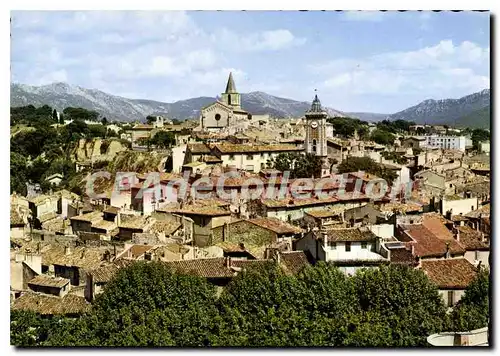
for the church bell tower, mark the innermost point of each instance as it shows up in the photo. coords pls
(316, 129)
(231, 97)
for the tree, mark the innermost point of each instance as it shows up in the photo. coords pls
(147, 304)
(382, 137)
(368, 165)
(28, 329)
(473, 311)
(300, 165)
(479, 135)
(54, 115)
(104, 121)
(81, 114)
(61, 118)
(408, 303)
(163, 139)
(150, 119)
(18, 173)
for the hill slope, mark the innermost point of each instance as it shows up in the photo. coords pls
(446, 111)
(62, 95)
(477, 119)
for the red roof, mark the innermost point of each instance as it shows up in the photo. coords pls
(453, 273)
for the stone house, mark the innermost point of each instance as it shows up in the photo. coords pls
(43, 204)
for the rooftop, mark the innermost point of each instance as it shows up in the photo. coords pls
(471, 239)
(276, 225)
(166, 227)
(226, 148)
(91, 217)
(453, 273)
(350, 234)
(49, 281)
(51, 305)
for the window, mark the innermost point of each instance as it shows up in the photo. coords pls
(231, 157)
(364, 245)
(347, 247)
(262, 155)
(472, 207)
(333, 245)
(249, 157)
(450, 298)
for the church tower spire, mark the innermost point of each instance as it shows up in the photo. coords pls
(230, 87)
(231, 97)
(316, 116)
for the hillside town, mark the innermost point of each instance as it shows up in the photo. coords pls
(215, 196)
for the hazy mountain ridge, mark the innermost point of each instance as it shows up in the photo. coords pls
(446, 111)
(62, 95)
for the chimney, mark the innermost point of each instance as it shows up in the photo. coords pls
(456, 234)
(67, 250)
(447, 255)
(118, 218)
(448, 214)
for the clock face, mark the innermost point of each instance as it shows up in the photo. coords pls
(314, 124)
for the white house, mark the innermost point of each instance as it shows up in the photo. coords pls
(445, 142)
(350, 249)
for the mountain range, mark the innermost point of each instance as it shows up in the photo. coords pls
(62, 95)
(471, 110)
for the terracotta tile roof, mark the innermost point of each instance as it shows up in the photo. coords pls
(47, 216)
(51, 305)
(294, 261)
(323, 213)
(454, 273)
(105, 274)
(143, 127)
(227, 148)
(198, 148)
(92, 217)
(276, 225)
(209, 207)
(138, 250)
(403, 256)
(457, 218)
(428, 244)
(49, 281)
(471, 239)
(210, 158)
(350, 234)
(83, 257)
(166, 227)
(484, 210)
(112, 210)
(207, 268)
(402, 207)
(435, 223)
(291, 202)
(133, 221)
(104, 225)
(41, 199)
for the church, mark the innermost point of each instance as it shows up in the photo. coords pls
(225, 113)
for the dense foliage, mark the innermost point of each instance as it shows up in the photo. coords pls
(479, 135)
(147, 304)
(40, 146)
(472, 311)
(397, 157)
(300, 165)
(368, 165)
(346, 127)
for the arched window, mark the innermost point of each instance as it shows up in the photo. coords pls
(217, 117)
(314, 146)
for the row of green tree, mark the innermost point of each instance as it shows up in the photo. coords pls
(161, 139)
(147, 304)
(31, 115)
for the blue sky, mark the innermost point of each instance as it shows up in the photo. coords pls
(358, 61)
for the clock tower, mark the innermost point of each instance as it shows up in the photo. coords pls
(316, 129)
